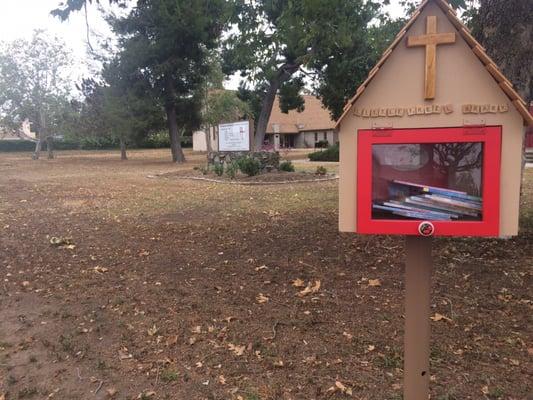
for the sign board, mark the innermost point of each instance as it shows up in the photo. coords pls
(234, 136)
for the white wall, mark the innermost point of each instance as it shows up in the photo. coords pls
(199, 143)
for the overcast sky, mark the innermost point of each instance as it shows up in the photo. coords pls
(18, 19)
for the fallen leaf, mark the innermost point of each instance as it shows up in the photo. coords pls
(344, 389)
(123, 354)
(261, 298)
(298, 283)
(439, 317)
(310, 288)
(347, 335)
(371, 347)
(197, 329)
(153, 330)
(238, 350)
(112, 392)
(485, 390)
(222, 380)
(172, 340)
(144, 395)
(278, 364)
(374, 282)
(100, 270)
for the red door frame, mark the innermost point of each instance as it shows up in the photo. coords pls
(489, 136)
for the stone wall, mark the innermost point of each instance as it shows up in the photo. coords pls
(268, 159)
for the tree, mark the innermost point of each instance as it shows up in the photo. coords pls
(119, 107)
(34, 86)
(505, 29)
(278, 42)
(166, 43)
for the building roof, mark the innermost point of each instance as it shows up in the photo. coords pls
(505, 85)
(314, 118)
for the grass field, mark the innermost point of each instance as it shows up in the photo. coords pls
(164, 288)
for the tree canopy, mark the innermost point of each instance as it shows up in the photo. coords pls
(166, 43)
(34, 86)
(275, 44)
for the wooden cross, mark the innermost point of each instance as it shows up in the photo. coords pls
(431, 40)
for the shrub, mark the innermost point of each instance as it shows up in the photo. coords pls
(330, 154)
(320, 170)
(322, 144)
(286, 166)
(231, 169)
(219, 169)
(249, 166)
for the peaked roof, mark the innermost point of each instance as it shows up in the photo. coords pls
(478, 50)
(313, 118)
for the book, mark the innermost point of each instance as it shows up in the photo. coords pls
(425, 202)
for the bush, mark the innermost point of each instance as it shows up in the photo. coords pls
(231, 169)
(249, 166)
(16, 145)
(219, 169)
(320, 170)
(27, 145)
(286, 166)
(322, 144)
(330, 154)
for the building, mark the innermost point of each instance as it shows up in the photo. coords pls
(301, 129)
(24, 133)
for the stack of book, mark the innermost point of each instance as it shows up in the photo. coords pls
(412, 200)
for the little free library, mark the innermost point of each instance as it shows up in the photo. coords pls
(431, 145)
(435, 133)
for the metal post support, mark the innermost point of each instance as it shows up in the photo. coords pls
(418, 271)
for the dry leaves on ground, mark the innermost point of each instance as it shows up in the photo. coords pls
(310, 288)
(374, 282)
(261, 298)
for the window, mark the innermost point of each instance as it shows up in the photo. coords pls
(448, 176)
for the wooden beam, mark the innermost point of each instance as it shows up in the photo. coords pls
(513, 95)
(496, 73)
(485, 59)
(522, 109)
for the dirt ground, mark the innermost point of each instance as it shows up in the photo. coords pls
(160, 288)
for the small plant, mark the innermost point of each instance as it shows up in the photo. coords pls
(219, 169)
(27, 392)
(249, 166)
(169, 375)
(321, 170)
(232, 169)
(286, 166)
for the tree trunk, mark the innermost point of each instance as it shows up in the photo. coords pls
(175, 139)
(283, 74)
(208, 139)
(123, 154)
(50, 147)
(37, 152)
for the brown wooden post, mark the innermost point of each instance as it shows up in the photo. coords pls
(418, 271)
